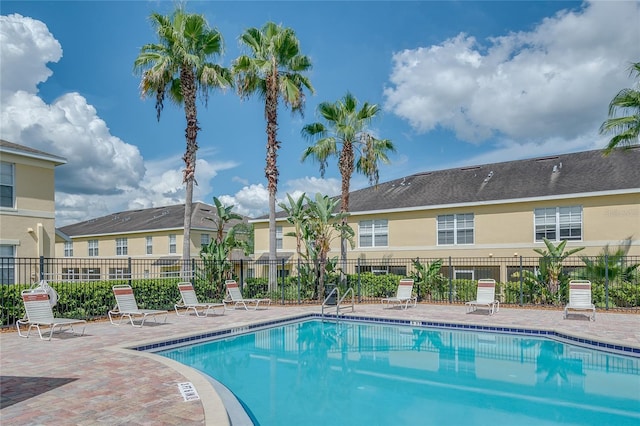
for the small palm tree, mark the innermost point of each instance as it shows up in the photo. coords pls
(609, 264)
(428, 277)
(178, 67)
(551, 263)
(626, 128)
(344, 134)
(296, 215)
(319, 229)
(274, 69)
(224, 215)
(216, 255)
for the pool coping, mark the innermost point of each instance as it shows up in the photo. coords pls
(579, 339)
(213, 402)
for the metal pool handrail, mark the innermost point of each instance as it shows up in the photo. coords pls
(340, 299)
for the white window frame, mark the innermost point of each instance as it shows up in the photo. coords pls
(173, 245)
(122, 246)
(68, 249)
(457, 272)
(455, 225)
(8, 183)
(8, 264)
(149, 244)
(205, 239)
(375, 229)
(278, 237)
(93, 248)
(556, 220)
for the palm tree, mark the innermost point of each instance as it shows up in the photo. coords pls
(273, 70)
(346, 125)
(178, 67)
(551, 263)
(224, 215)
(296, 215)
(319, 226)
(626, 129)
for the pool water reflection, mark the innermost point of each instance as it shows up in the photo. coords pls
(351, 373)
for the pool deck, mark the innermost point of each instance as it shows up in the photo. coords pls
(95, 380)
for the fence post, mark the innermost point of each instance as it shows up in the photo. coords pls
(130, 271)
(298, 274)
(241, 270)
(606, 281)
(282, 273)
(41, 268)
(521, 282)
(359, 282)
(418, 292)
(450, 281)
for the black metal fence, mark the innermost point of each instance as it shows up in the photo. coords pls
(84, 284)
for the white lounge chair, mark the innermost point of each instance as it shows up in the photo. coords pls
(235, 297)
(126, 306)
(580, 298)
(485, 296)
(189, 300)
(39, 313)
(404, 295)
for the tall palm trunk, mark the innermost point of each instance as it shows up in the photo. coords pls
(346, 165)
(271, 169)
(188, 88)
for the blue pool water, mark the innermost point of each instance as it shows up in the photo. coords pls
(353, 373)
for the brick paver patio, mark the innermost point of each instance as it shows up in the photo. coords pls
(95, 380)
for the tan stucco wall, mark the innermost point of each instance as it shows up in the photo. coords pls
(136, 244)
(34, 208)
(500, 230)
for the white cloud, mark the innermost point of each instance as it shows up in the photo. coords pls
(553, 82)
(97, 162)
(103, 173)
(27, 46)
(253, 200)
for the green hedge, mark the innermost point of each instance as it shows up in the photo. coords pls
(94, 299)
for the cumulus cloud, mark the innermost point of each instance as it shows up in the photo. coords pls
(97, 162)
(253, 200)
(27, 46)
(103, 173)
(553, 81)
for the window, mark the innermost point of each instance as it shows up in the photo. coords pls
(172, 243)
(558, 223)
(90, 273)
(7, 264)
(455, 229)
(373, 233)
(68, 249)
(115, 273)
(204, 240)
(7, 191)
(463, 274)
(70, 274)
(149, 245)
(121, 247)
(279, 237)
(93, 248)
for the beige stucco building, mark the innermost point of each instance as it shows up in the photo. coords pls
(27, 202)
(106, 247)
(493, 210)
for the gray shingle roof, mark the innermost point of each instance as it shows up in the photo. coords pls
(542, 177)
(157, 218)
(6, 146)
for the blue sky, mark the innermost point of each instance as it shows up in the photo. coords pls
(459, 83)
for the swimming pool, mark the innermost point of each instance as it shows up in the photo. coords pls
(356, 373)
